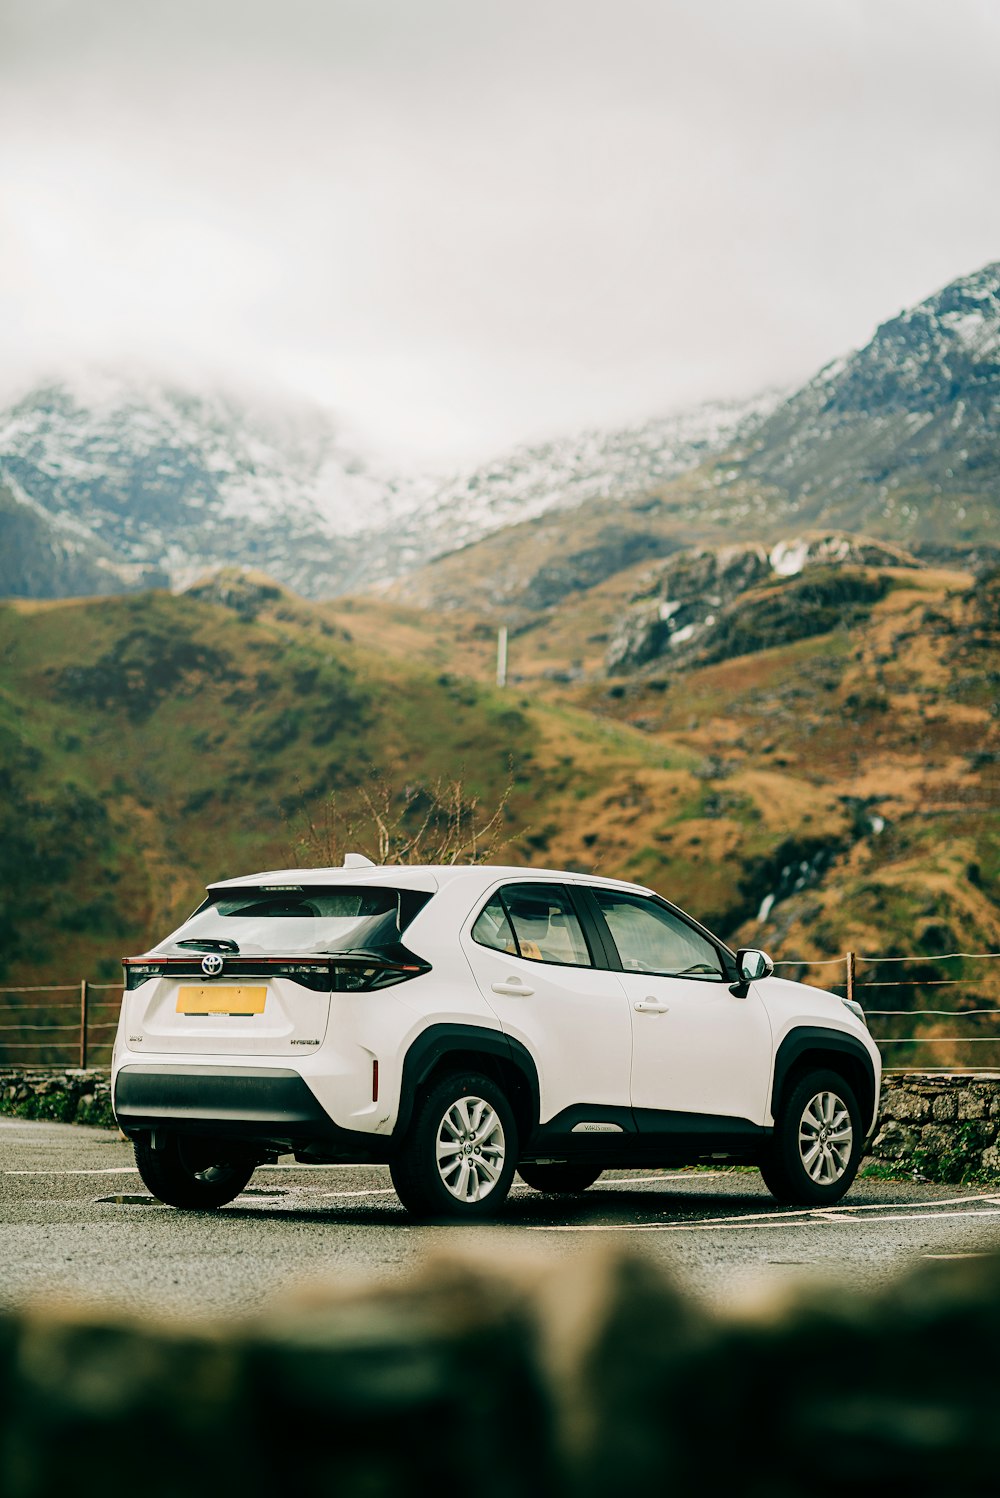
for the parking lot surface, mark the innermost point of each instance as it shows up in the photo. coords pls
(76, 1222)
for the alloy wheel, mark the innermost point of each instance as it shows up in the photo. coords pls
(471, 1149)
(826, 1136)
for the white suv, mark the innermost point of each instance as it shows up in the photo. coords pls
(458, 1023)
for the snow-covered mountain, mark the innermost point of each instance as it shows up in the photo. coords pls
(145, 484)
(568, 472)
(129, 484)
(154, 480)
(901, 438)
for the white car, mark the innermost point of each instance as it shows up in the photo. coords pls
(461, 1023)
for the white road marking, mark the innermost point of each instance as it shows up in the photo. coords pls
(733, 1223)
(650, 1180)
(107, 1170)
(119, 1170)
(800, 1218)
(957, 1256)
(331, 1165)
(379, 1191)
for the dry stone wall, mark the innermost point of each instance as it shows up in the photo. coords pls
(595, 1378)
(65, 1096)
(945, 1127)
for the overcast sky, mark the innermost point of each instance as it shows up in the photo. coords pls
(461, 223)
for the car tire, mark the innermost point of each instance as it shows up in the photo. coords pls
(197, 1174)
(458, 1158)
(561, 1178)
(818, 1140)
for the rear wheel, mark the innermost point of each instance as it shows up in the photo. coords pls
(458, 1159)
(186, 1171)
(561, 1177)
(816, 1147)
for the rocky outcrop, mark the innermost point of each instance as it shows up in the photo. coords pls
(710, 604)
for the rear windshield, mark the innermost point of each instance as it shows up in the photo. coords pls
(289, 920)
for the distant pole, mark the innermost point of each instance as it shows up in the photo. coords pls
(851, 974)
(502, 656)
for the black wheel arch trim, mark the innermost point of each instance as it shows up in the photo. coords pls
(816, 1038)
(437, 1042)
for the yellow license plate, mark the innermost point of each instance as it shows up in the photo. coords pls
(242, 999)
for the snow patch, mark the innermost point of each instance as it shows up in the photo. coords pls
(789, 557)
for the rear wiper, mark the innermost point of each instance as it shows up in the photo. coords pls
(209, 944)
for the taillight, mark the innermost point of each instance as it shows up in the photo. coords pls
(357, 978)
(348, 972)
(137, 973)
(308, 975)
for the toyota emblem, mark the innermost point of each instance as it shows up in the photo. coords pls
(211, 965)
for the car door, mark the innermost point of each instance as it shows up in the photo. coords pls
(529, 951)
(697, 1047)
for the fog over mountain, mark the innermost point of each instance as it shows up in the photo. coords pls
(143, 485)
(464, 228)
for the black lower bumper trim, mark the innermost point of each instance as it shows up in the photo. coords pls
(268, 1107)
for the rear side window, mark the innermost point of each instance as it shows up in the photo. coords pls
(536, 921)
(492, 928)
(651, 939)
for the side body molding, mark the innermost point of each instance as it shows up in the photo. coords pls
(439, 1041)
(837, 1044)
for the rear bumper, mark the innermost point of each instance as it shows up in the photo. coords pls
(270, 1108)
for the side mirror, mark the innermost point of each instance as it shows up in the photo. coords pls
(751, 965)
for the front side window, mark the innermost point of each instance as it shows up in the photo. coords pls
(652, 939)
(545, 925)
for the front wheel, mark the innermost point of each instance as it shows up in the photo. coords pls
(816, 1147)
(561, 1177)
(199, 1174)
(458, 1158)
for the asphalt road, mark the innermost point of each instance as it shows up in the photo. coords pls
(76, 1221)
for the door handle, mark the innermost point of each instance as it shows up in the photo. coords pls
(514, 987)
(652, 1006)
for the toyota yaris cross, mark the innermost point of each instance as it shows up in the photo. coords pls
(459, 1024)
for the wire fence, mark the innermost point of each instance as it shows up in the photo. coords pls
(65, 1025)
(898, 993)
(59, 1025)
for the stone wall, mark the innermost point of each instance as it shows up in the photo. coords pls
(591, 1378)
(65, 1096)
(944, 1127)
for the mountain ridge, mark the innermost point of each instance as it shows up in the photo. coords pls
(898, 439)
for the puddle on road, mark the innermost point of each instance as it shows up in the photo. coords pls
(120, 1200)
(130, 1201)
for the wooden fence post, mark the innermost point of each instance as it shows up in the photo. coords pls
(851, 960)
(84, 1004)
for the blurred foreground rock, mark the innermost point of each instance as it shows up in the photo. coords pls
(592, 1378)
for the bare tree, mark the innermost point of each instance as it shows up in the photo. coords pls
(436, 821)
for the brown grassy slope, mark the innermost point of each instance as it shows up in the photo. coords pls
(802, 744)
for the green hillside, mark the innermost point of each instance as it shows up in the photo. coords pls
(822, 773)
(151, 743)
